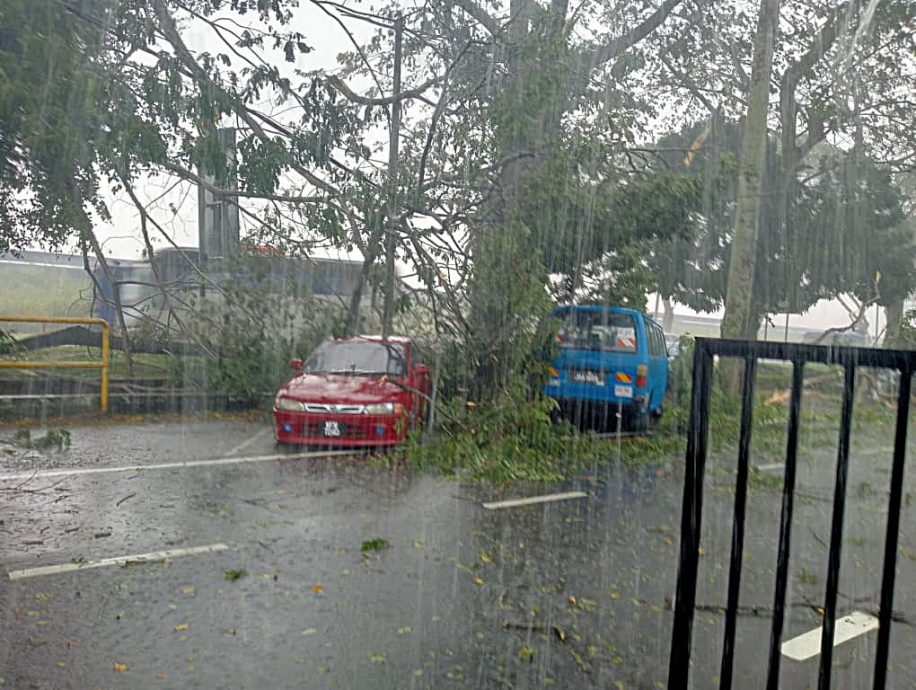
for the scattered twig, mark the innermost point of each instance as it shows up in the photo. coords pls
(128, 496)
(819, 540)
(531, 627)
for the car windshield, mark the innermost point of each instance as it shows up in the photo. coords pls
(357, 357)
(601, 331)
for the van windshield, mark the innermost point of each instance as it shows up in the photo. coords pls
(599, 331)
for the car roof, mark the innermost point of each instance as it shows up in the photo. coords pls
(400, 339)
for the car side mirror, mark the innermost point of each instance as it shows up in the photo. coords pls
(296, 364)
(421, 370)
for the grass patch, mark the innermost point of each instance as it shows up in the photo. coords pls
(235, 575)
(807, 578)
(763, 480)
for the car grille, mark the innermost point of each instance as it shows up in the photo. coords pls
(341, 409)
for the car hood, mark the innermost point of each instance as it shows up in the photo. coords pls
(343, 389)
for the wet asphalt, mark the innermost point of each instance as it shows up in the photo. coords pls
(573, 594)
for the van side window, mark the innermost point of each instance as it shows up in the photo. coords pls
(653, 341)
(658, 342)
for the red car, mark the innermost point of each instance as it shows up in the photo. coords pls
(353, 392)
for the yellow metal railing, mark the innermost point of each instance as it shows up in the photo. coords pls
(102, 364)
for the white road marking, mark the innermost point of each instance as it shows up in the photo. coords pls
(42, 474)
(548, 498)
(808, 645)
(247, 442)
(768, 468)
(152, 557)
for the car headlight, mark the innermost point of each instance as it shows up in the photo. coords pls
(384, 408)
(290, 405)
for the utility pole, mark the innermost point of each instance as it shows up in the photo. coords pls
(218, 212)
(392, 210)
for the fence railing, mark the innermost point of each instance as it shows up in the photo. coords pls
(102, 364)
(903, 362)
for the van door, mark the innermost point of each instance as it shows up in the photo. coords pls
(599, 352)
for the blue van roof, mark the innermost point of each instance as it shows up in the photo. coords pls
(597, 307)
(610, 308)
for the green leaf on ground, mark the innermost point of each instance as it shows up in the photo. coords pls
(374, 545)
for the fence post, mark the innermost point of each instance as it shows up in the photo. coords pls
(106, 363)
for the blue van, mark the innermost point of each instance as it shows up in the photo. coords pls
(610, 357)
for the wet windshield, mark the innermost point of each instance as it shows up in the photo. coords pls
(447, 344)
(357, 357)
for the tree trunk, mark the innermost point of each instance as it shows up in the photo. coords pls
(894, 314)
(505, 265)
(668, 318)
(740, 287)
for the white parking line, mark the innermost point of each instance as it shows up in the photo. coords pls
(768, 468)
(247, 442)
(152, 557)
(808, 645)
(41, 474)
(548, 498)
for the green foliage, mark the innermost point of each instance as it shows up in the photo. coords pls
(252, 329)
(907, 336)
(806, 577)
(47, 132)
(54, 438)
(508, 439)
(843, 226)
(680, 380)
(8, 344)
(102, 91)
(376, 544)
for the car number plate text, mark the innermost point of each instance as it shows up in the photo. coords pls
(332, 429)
(586, 376)
(623, 391)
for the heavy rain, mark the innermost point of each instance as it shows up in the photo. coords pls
(457, 344)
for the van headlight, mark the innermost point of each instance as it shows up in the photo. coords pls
(290, 405)
(384, 408)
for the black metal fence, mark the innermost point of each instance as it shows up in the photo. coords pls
(698, 430)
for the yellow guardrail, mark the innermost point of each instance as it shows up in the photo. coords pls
(103, 364)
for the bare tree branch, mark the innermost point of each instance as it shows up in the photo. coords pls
(480, 15)
(618, 46)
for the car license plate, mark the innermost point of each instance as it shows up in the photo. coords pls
(623, 391)
(596, 378)
(332, 429)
